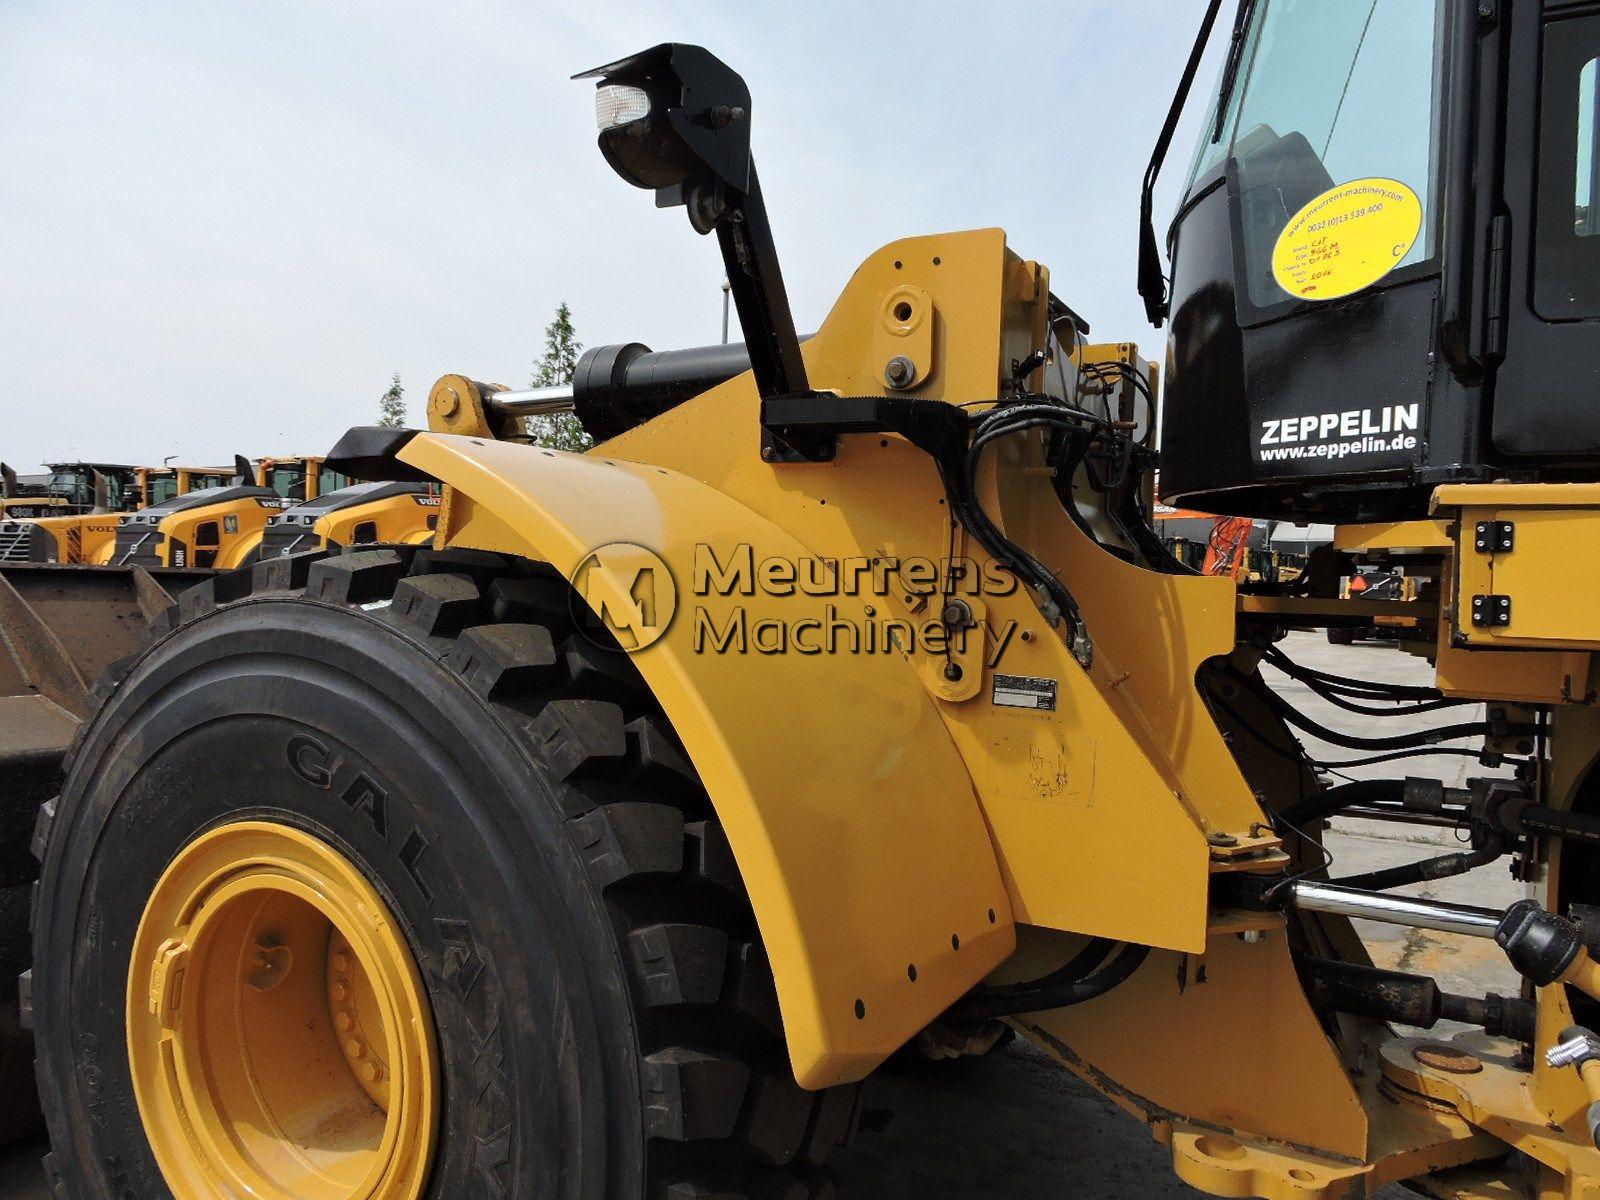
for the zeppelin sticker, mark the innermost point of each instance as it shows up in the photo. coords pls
(1337, 435)
(1347, 239)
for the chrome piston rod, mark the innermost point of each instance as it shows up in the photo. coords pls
(1396, 910)
(531, 402)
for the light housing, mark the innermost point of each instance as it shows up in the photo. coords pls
(619, 104)
(675, 119)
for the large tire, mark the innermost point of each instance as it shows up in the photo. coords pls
(19, 1100)
(605, 1017)
(23, 786)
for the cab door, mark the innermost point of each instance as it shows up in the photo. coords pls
(1547, 395)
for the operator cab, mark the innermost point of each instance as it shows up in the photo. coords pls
(1374, 289)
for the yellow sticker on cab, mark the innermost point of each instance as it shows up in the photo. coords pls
(1347, 239)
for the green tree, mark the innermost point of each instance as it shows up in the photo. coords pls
(556, 366)
(392, 405)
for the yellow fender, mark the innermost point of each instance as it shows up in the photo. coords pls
(848, 807)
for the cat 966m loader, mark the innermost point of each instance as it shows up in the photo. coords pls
(601, 846)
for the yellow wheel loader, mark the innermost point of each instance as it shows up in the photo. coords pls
(223, 528)
(217, 528)
(74, 518)
(843, 692)
(357, 515)
(24, 498)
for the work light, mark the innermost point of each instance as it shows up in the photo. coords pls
(618, 104)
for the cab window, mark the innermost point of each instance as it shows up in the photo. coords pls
(331, 481)
(288, 482)
(1586, 218)
(72, 486)
(1366, 106)
(1566, 284)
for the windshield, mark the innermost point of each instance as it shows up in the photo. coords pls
(161, 488)
(1586, 215)
(1328, 94)
(289, 482)
(331, 481)
(77, 486)
(72, 486)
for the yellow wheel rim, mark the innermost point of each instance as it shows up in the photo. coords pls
(281, 1042)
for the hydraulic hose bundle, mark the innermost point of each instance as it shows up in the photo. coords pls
(1085, 976)
(1087, 436)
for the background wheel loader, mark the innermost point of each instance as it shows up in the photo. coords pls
(601, 847)
(73, 516)
(293, 501)
(26, 497)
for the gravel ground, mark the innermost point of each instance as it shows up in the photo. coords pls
(1017, 1127)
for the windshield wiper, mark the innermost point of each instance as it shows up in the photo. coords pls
(1230, 70)
(1152, 278)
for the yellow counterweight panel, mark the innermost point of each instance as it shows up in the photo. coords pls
(850, 812)
(97, 538)
(86, 538)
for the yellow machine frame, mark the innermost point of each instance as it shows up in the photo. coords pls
(966, 839)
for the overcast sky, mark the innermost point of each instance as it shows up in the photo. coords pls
(224, 225)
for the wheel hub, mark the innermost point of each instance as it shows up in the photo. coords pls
(279, 1034)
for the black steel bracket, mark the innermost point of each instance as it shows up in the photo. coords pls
(807, 428)
(1491, 611)
(1495, 537)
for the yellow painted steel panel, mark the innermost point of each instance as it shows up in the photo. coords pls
(1227, 1036)
(847, 806)
(1136, 762)
(1547, 574)
(1396, 535)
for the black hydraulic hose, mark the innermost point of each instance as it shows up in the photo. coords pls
(1076, 969)
(1340, 696)
(1334, 800)
(1441, 867)
(1405, 741)
(1415, 752)
(1423, 737)
(1557, 822)
(1366, 991)
(1399, 710)
(1036, 997)
(1349, 686)
(970, 512)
